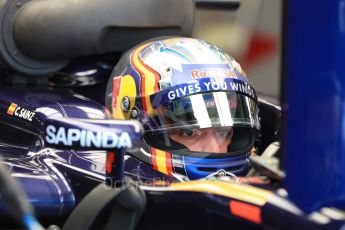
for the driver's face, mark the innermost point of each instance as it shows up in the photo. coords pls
(213, 140)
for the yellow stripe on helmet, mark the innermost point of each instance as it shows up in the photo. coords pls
(148, 78)
(127, 88)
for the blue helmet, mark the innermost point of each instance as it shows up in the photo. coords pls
(197, 107)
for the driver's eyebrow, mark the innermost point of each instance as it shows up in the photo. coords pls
(183, 130)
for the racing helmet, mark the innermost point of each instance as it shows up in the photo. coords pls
(179, 89)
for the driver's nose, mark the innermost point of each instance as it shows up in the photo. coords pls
(209, 142)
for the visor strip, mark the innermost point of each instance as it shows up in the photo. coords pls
(200, 111)
(223, 108)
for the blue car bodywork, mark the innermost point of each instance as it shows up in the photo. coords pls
(55, 181)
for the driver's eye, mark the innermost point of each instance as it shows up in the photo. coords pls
(187, 133)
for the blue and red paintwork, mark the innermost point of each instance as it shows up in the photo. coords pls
(55, 181)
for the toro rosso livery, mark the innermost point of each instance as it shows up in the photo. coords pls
(55, 180)
(60, 145)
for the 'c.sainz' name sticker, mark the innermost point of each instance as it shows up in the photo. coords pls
(15, 110)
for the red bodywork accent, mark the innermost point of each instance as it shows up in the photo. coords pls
(245, 211)
(110, 161)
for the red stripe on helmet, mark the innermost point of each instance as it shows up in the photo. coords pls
(153, 159)
(116, 90)
(142, 80)
(157, 75)
(143, 71)
(168, 163)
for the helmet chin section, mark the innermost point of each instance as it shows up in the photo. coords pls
(174, 164)
(197, 168)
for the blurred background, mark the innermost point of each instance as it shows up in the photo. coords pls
(251, 34)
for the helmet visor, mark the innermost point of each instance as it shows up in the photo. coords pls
(213, 122)
(199, 111)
